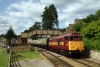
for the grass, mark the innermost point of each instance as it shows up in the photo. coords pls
(27, 55)
(3, 57)
(22, 56)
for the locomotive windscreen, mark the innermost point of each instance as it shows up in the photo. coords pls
(75, 38)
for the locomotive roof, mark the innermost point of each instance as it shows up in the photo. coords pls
(64, 35)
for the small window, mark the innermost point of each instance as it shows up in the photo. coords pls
(71, 38)
(58, 42)
(76, 36)
(1, 41)
(67, 38)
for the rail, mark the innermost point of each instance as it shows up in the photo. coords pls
(54, 59)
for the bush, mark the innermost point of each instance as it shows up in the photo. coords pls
(91, 44)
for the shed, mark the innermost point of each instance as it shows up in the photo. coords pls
(3, 41)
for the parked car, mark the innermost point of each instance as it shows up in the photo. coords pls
(4, 46)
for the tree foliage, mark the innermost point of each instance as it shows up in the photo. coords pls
(91, 17)
(92, 30)
(98, 14)
(49, 17)
(2, 35)
(10, 34)
(63, 30)
(37, 25)
(78, 26)
(26, 31)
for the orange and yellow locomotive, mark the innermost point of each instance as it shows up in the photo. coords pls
(70, 43)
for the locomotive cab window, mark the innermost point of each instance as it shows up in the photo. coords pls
(71, 38)
(78, 37)
(75, 38)
(66, 38)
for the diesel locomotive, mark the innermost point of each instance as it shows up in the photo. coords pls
(69, 44)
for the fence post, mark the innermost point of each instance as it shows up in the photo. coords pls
(9, 58)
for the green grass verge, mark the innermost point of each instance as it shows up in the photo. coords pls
(3, 57)
(27, 55)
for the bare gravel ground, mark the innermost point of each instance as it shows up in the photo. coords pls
(94, 60)
(35, 63)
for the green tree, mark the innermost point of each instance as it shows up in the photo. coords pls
(37, 25)
(78, 26)
(26, 31)
(63, 30)
(92, 30)
(2, 35)
(91, 17)
(10, 34)
(91, 35)
(50, 17)
(97, 14)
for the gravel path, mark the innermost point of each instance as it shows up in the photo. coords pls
(35, 63)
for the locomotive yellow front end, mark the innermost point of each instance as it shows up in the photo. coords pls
(76, 45)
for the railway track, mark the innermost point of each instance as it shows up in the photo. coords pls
(88, 63)
(55, 60)
(62, 61)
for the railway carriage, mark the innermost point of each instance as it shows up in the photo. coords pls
(69, 43)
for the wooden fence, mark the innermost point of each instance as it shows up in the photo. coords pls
(14, 48)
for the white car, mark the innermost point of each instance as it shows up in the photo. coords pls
(4, 46)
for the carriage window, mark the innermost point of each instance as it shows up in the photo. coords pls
(58, 42)
(66, 38)
(71, 38)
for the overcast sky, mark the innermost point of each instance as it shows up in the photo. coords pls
(21, 14)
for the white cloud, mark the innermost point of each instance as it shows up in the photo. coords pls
(6, 22)
(24, 13)
(27, 13)
(27, 10)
